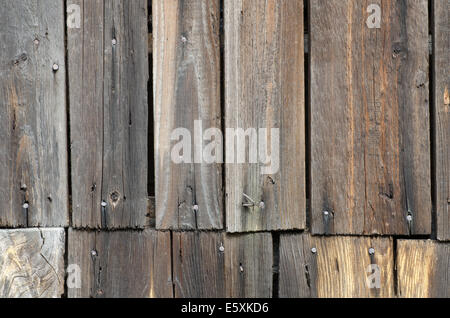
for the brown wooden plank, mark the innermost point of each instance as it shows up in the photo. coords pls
(249, 265)
(121, 264)
(32, 263)
(215, 265)
(441, 71)
(33, 134)
(370, 138)
(108, 75)
(423, 269)
(264, 76)
(327, 267)
(186, 79)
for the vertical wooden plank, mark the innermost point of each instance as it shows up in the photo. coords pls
(264, 76)
(121, 264)
(198, 265)
(108, 77)
(441, 58)
(423, 269)
(370, 118)
(186, 79)
(341, 267)
(249, 265)
(33, 134)
(32, 263)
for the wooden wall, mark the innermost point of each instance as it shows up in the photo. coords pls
(93, 204)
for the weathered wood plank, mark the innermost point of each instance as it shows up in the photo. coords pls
(370, 118)
(441, 71)
(335, 266)
(108, 75)
(186, 79)
(423, 269)
(32, 263)
(33, 134)
(249, 265)
(264, 76)
(215, 265)
(121, 264)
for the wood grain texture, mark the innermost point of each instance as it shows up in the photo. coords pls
(186, 79)
(32, 263)
(423, 269)
(264, 76)
(441, 70)
(108, 75)
(249, 265)
(370, 156)
(215, 265)
(33, 135)
(340, 267)
(121, 264)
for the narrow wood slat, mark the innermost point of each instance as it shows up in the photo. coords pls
(33, 134)
(186, 79)
(32, 263)
(121, 264)
(370, 156)
(327, 267)
(215, 265)
(441, 71)
(264, 88)
(423, 269)
(108, 75)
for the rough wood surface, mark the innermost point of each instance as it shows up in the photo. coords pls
(264, 76)
(423, 269)
(441, 71)
(186, 79)
(108, 74)
(32, 263)
(216, 265)
(249, 265)
(33, 135)
(339, 266)
(121, 264)
(370, 157)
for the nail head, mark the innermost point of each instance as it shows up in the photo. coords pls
(26, 205)
(104, 204)
(221, 248)
(55, 67)
(314, 250)
(371, 251)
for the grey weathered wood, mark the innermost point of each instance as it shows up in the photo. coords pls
(423, 269)
(441, 80)
(340, 266)
(32, 263)
(370, 143)
(186, 88)
(108, 75)
(216, 265)
(249, 265)
(264, 88)
(33, 134)
(121, 263)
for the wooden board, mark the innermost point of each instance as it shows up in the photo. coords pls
(264, 76)
(370, 156)
(108, 75)
(121, 264)
(215, 265)
(33, 134)
(441, 70)
(32, 263)
(186, 88)
(340, 266)
(423, 269)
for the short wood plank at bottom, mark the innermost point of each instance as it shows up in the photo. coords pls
(335, 266)
(217, 265)
(423, 269)
(32, 263)
(121, 264)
